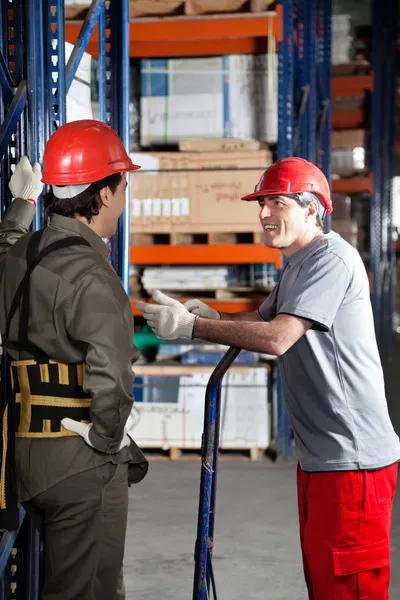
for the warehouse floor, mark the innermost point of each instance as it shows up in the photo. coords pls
(257, 552)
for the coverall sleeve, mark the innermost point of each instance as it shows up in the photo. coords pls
(15, 224)
(100, 318)
(319, 290)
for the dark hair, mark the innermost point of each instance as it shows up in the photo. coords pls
(86, 204)
(304, 199)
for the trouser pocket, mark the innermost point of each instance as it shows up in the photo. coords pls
(362, 572)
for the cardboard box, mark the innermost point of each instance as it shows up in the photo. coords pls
(210, 97)
(349, 138)
(222, 145)
(196, 192)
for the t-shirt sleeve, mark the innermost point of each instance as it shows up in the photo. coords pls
(318, 291)
(267, 310)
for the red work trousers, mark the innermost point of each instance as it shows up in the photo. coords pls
(345, 522)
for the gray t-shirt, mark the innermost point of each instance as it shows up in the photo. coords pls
(332, 377)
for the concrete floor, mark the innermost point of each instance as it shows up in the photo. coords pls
(256, 553)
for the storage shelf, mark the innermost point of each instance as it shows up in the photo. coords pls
(354, 119)
(353, 86)
(353, 185)
(202, 254)
(196, 36)
(220, 305)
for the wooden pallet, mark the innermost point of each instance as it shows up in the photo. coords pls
(193, 8)
(187, 239)
(179, 454)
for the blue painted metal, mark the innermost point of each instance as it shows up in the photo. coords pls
(36, 92)
(5, 80)
(203, 575)
(7, 542)
(125, 136)
(102, 65)
(375, 202)
(286, 82)
(306, 79)
(117, 116)
(33, 544)
(382, 166)
(81, 43)
(324, 89)
(392, 16)
(55, 67)
(286, 147)
(10, 123)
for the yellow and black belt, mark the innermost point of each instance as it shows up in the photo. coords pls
(40, 391)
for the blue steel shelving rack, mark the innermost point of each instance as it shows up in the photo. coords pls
(304, 65)
(382, 144)
(34, 81)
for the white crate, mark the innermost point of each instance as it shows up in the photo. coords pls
(173, 417)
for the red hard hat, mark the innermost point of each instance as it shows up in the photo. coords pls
(84, 152)
(293, 176)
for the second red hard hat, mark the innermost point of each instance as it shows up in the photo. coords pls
(293, 176)
(84, 152)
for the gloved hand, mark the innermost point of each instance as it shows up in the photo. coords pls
(197, 307)
(83, 430)
(169, 319)
(26, 182)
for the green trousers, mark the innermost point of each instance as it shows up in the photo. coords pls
(82, 521)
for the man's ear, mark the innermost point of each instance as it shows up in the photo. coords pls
(312, 210)
(105, 195)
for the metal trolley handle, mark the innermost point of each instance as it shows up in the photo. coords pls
(203, 573)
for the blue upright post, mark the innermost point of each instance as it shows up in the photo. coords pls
(55, 67)
(392, 19)
(102, 77)
(324, 89)
(305, 141)
(117, 115)
(286, 132)
(36, 90)
(376, 168)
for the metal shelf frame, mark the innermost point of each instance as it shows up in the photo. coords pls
(34, 81)
(382, 251)
(305, 89)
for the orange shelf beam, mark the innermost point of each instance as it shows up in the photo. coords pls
(353, 185)
(202, 254)
(182, 36)
(352, 86)
(354, 119)
(227, 307)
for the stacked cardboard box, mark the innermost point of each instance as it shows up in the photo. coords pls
(349, 152)
(212, 97)
(195, 192)
(342, 39)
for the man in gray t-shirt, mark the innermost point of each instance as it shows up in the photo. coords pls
(318, 321)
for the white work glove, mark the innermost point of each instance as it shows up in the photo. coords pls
(26, 182)
(169, 319)
(197, 307)
(83, 430)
